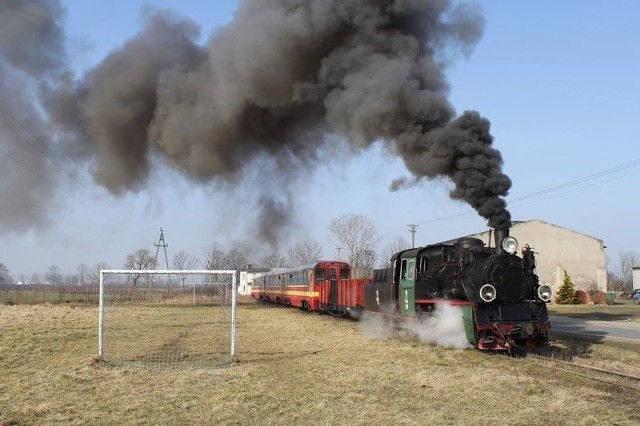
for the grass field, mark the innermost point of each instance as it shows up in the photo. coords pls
(294, 367)
(622, 310)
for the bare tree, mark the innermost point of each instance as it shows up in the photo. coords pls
(94, 273)
(394, 246)
(183, 261)
(357, 235)
(214, 258)
(627, 259)
(141, 259)
(71, 279)
(5, 278)
(304, 252)
(235, 259)
(53, 275)
(366, 261)
(83, 273)
(273, 260)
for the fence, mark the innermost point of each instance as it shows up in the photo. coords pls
(31, 294)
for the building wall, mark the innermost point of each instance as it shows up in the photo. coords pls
(558, 249)
(636, 277)
(246, 279)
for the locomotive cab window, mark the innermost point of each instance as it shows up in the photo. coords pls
(344, 274)
(423, 264)
(321, 274)
(408, 269)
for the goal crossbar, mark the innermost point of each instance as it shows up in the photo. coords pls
(166, 272)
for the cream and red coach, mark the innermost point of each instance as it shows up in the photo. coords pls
(323, 286)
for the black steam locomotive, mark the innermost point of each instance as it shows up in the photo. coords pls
(504, 305)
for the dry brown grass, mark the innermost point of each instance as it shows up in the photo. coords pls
(293, 367)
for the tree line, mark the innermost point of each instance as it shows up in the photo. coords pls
(354, 236)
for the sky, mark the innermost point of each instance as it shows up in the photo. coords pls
(557, 81)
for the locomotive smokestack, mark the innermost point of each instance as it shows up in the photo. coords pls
(499, 235)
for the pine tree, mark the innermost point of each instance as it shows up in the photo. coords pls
(566, 293)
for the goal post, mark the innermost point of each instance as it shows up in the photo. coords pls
(148, 308)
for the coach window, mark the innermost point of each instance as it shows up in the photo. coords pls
(403, 269)
(321, 274)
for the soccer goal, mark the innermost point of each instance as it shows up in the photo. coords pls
(169, 318)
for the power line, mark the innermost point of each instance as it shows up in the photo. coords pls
(570, 186)
(618, 168)
(56, 160)
(44, 149)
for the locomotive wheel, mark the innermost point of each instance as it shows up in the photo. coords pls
(518, 349)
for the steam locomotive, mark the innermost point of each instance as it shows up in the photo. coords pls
(503, 304)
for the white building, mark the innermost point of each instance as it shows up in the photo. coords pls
(246, 278)
(636, 277)
(558, 250)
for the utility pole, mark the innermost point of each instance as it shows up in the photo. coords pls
(164, 246)
(339, 248)
(412, 229)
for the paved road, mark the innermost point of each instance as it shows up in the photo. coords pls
(596, 330)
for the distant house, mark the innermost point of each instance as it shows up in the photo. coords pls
(636, 277)
(560, 249)
(246, 278)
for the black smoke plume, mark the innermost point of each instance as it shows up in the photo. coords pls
(271, 83)
(31, 60)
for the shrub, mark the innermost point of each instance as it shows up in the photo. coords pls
(566, 293)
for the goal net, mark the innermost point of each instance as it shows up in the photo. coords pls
(170, 318)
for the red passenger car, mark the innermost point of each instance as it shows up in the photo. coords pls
(323, 286)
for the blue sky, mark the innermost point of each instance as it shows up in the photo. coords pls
(558, 81)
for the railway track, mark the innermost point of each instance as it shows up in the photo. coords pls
(610, 377)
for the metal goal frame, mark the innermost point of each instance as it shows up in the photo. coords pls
(101, 329)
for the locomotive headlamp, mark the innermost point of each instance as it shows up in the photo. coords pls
(545, 292)
(488, 293)
(510, 245)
